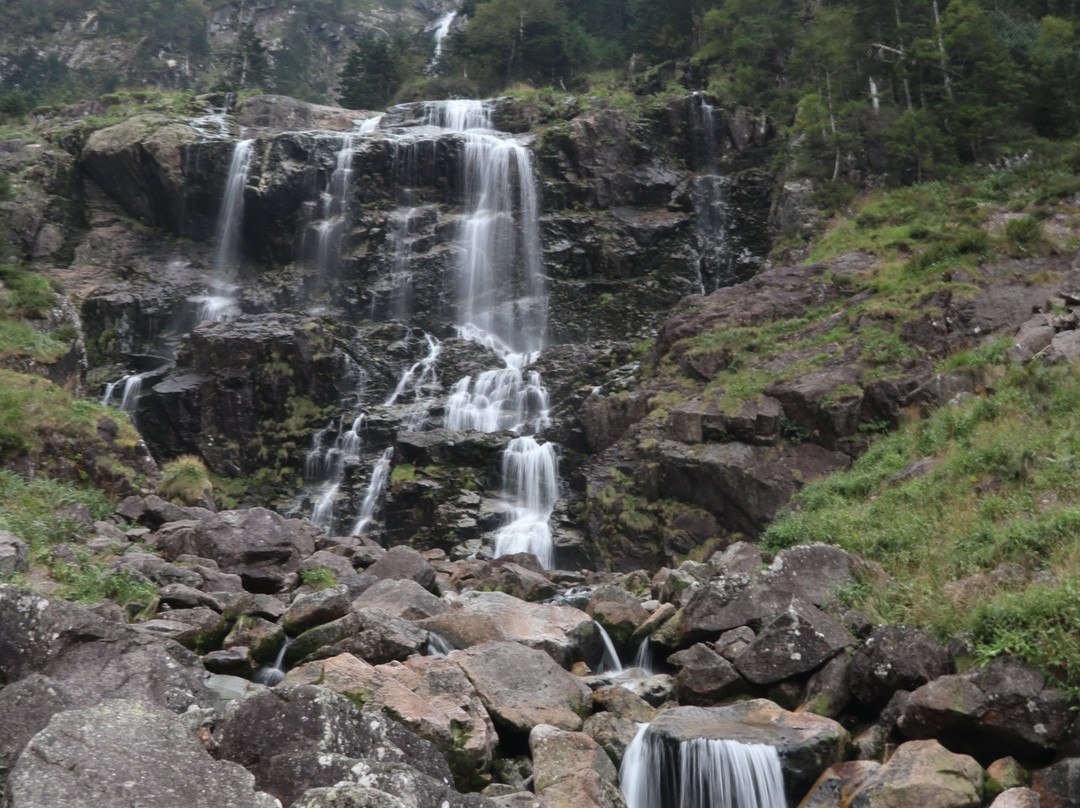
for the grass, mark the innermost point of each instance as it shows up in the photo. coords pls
(1001, 488)
(185, 479)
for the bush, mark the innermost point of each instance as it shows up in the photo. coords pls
(185, 479)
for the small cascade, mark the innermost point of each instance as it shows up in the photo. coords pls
(402, 223)
(274, 674)
(442, 28)
(219, 307)
(644, 659)
(324, 467)
(710, 196)
(531, 481)
(333, 206)
(130, 386)
(437, 645)
(230, 219)
(379, 475)
(610, 662)
(414, 380)
(700, 773)
(499, 399)
(369, 125)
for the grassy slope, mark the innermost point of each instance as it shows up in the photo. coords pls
(974, 511)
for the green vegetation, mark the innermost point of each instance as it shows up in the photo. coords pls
(185, 479)
(944, 503)
(319, 577)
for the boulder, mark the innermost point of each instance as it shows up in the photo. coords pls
(618, 611)
(14, 554)
(837, 784)
(402, 598)
(571, 770)
(895, 658)
(256, 544)
(404, 563)
(315, 609)
(430, 696)
(122, 753)
(807, 744)
(704, 677)
(523, 687)
(566, 634)
(623, 703)
(1017, 798)
(1058, 785)
(298, 737)
(1006, 708)
(797, 641)
(504, 575)
(372, 634)
(922, 773)
(613, 734)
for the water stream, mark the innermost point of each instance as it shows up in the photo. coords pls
(700, 773)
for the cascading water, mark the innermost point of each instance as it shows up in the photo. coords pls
(379, 475)
(275, 673)
(333, 206)
(644, 659)
(419, 375)
(129, 393)
(710, 195)
(442, 28)
(700, 773)
(437, 645)
(610, 662)
(218, 303)
(530, 477)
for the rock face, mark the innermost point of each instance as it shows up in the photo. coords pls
(572, 771)
(123, 751)
(895, 658)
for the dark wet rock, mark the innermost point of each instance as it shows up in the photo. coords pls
(827, 691)
(1058, 784)
(299, 736)
(797, 641)
(234, 661)
(742, 485)
(522, 687)
(257, 544)
(260, 636)
(895, 658)
(123, 752)
(704, 678)
(1005, 708)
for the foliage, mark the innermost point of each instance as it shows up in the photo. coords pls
(24, 294)
(185, 479)
(375, 70)
(319, 577)
(974, 486)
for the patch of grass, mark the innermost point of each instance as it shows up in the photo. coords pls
(999, 483)
(185, 479)
(319, 577)
(20, 339)
(24, 294)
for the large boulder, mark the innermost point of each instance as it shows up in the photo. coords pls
(372, 634)
(402, 598)
(298, 737)
(404, 564)
(566, 634)
(523, 687)
(922, 773)
(122, 753)
(799, 640)
(572, 771)
(1005, 708)
(430, 696)
(895, 658)
(704, 678)
(257, 544)
(807, 744)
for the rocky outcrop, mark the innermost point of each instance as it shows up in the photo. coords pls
(123, 750)
(572, 771)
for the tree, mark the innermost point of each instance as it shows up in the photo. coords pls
(370, 76)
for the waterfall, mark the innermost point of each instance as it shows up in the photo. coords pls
(442, 28)
(379, 475)
(328, 216)
(610, 662)
(129, 393)
(437, 645)
(644, 658)
(499, 399)
(324, 467)
(230, 219)
(700, 773)
(531, 480)
(218, 303)
(709, 190)
(275, 673)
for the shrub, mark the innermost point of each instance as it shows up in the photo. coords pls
(319, 577)
(185, 479)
